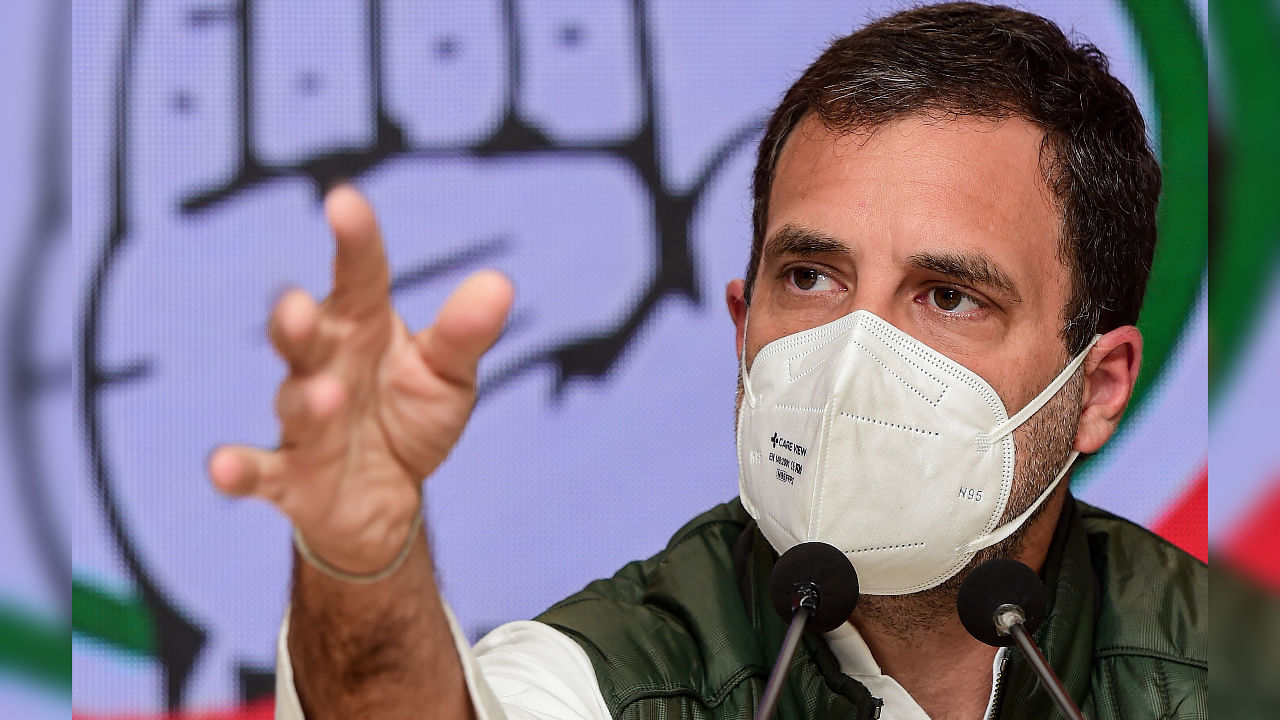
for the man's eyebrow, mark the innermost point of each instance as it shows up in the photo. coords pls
(796, 240)
(972, 269)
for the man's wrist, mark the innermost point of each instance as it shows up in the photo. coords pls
(365, 541)
(363, 578)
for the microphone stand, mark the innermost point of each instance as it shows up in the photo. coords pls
(1009, 620)
(804, 602)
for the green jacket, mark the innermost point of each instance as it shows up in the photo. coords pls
(690, 633)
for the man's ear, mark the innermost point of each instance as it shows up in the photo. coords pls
(735, 297)
(1110, 371)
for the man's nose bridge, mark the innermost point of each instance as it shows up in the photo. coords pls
(877, 296)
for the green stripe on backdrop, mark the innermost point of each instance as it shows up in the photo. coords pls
(1175, 58)
(1247, 228)
(35, 648)
(119, 621)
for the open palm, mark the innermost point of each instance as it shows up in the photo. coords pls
(368, 409)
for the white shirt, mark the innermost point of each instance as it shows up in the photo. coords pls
(526, 670)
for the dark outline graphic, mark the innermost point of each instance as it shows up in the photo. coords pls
(177, 640)
(594, 355)
(26, 378)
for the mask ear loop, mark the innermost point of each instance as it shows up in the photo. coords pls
(748, 395)
(1004, 531)
(1044, 397)
(1007, 427)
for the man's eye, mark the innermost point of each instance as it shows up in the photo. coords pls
(811, 280)
(951, 300)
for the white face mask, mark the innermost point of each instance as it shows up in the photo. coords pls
(860, 436)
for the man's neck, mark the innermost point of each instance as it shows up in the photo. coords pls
(942, 668)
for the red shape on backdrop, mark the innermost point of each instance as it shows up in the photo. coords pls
(1186, 522)
(260, 709)
(1253, 548)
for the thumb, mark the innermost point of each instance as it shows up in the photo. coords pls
(468, 324)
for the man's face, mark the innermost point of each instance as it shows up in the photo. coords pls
(944, 228)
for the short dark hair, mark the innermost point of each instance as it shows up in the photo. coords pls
(972, 60)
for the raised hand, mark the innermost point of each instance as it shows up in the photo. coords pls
(368, 410)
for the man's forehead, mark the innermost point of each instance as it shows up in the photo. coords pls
(944, 175)
(962, 196)
(1008, 146)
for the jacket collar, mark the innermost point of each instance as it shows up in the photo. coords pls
(1066, 635)
(815, 686)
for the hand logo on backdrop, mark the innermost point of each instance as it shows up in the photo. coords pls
(264, 145)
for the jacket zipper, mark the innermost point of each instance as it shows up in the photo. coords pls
(996, 682)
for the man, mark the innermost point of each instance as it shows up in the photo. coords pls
(954, 220)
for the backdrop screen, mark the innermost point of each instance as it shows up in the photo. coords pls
(600, 155)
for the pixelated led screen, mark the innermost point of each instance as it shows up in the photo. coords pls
(598, 153)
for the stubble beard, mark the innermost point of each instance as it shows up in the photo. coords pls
(1041, 447)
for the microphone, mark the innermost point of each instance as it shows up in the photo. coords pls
(814, 586)
(1001, 603)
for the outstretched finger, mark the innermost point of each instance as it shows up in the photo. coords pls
(306, 406)
(361, 279)
(239, 470)
(467, 325)
(296, 332)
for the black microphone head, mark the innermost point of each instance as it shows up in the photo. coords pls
(824, 566)
(997, 582)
